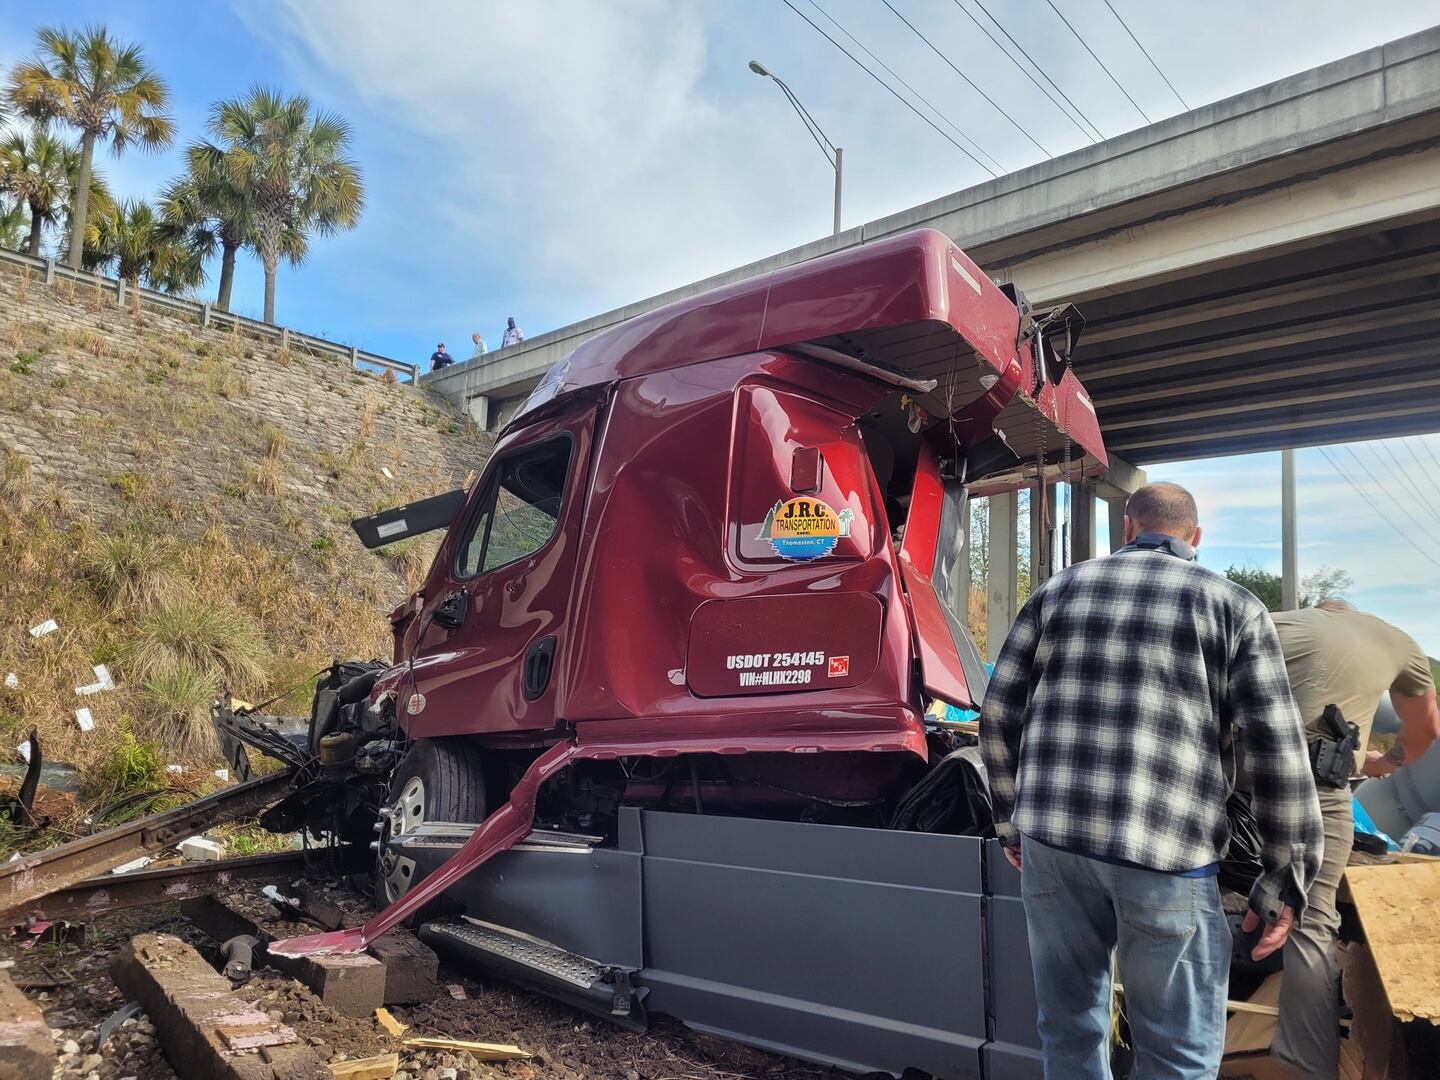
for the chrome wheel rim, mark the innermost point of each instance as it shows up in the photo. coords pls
(400, 818)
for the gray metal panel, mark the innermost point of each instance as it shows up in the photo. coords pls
(1012, 984)
(916, 860)
(860, 947)
(587, 902)
(1005, 1062)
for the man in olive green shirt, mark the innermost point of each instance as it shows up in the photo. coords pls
(1338, 656)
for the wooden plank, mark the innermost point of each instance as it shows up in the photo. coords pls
(483, 1051)
(1253, 1025)
(1399, 906)
(1374, 1033)
(389, 1023)
(371, 1068)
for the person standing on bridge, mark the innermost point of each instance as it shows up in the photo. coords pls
(479, 343)
(1109, 732)
(440, 358)
(1342, 658)
(513, 334)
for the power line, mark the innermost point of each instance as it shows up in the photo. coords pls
(1429, 451)
(1023, 69)
(1424, 469)
(1417, 496)
(890, 89)
(1381, 513)
(1425, 529)
(1097, 59)
(1146, 51)
(900, 79)
(967, 78)
(1021, 48)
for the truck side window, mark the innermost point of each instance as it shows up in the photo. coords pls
(520, 510)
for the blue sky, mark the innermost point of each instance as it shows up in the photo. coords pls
(553, 160)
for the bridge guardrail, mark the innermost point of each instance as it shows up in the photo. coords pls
(52, 271)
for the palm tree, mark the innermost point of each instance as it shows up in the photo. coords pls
(100, 87)
(213, 211)
(13, 222)
(140, 244)
(99, 201)
(291, 171)
(34, 168)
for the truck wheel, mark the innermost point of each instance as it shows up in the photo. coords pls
(439, 780)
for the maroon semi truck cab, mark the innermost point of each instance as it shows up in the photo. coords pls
(733, 524)
(717, 560)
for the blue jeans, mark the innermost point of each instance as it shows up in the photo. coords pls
(1173, 945)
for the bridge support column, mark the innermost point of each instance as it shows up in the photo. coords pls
(1289, 541)
(1116, 508)
(479, 409)
(1002, 588)
(1115, 487)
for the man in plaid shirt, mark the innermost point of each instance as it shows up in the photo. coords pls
(1110, 732)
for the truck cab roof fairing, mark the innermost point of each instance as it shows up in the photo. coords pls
(906, 309)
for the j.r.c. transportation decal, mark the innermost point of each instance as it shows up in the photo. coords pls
(805, 529)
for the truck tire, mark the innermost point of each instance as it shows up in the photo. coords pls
(438, 780)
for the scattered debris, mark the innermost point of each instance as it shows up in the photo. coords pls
(21, 808)
(177, 769)
(134, 864)
(114, 1020)
(483, 1051)
(12, 681)
(102, 682)
(49, 626)
(223, 774)
(371, 1068)
(456, 991)
(85, 719)
(252, 1030)
(388, 474)
(389, 1023)
(202, 849)
(34, 932)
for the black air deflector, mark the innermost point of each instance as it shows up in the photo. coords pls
(412, 519)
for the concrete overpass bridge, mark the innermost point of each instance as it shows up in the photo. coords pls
(1260, 273)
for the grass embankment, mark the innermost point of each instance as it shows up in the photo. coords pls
(181, 591)
(176, 622)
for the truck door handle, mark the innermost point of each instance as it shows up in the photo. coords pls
(539, 663)
(452, 610)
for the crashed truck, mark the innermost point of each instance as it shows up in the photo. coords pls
(664, 727)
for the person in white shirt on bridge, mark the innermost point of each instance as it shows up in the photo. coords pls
(513, 334)
(480, 349)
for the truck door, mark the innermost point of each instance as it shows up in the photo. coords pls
(494, 623)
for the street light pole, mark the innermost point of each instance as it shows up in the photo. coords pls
(833, 154)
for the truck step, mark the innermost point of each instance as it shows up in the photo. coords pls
(588, 984)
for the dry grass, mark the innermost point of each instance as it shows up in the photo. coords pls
(130, 569)
(193, 553)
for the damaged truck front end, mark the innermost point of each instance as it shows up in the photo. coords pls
(659, 718)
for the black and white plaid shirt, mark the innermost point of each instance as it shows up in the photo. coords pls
(1112, 720)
